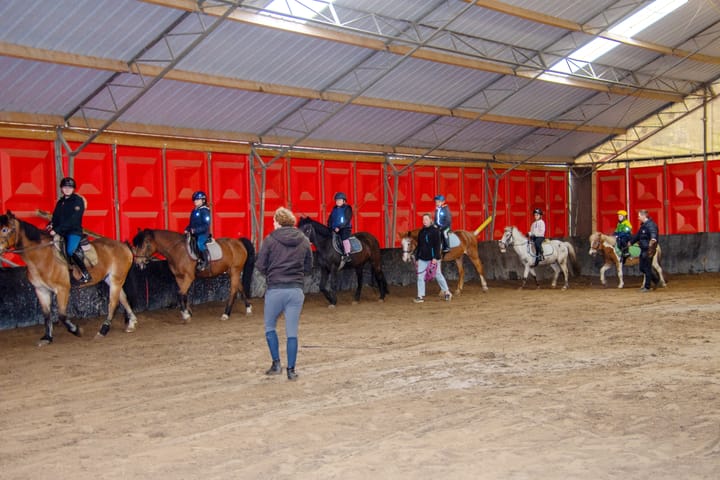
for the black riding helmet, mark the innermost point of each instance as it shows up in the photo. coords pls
(67, 182)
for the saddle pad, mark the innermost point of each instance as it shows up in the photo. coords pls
(547, 248)
(453, 240)
(634, 251)
(355, 245)
(213, 248)
(91, 256)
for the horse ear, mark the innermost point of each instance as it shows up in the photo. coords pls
(10, 215)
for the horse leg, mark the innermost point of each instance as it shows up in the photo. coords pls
(475, 259)
(556, 274)
(461, 275)
(564, 268)
(603, 269)
(130, 318)
(45, 298)
(63, 296)
(526, 273)
(235, 287)
(184, 283)
(333, 287)
(330, 296)
(382, 283)
(621, 277)
(358, 289)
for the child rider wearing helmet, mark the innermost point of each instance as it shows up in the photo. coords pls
(339, 222)
(199, 228)
(443, 220)
(623, 232)
(537, 235)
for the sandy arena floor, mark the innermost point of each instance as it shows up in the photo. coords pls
(590, 383)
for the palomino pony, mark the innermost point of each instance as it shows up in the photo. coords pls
(329, 259)
(556, 255)
(47, 271)
(605, 244)
(238, 259)
(468, 246)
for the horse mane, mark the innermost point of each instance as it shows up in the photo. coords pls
(140, 237)
(33, 233)
(320, 229)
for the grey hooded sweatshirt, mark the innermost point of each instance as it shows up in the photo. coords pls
(285, 258)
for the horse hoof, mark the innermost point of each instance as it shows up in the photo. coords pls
(43, 342)
(248, 310)
(224, 317)
(331, 306)
(185, 316)
(78, 332)
(131, 326)
(355, 302)
(99, 336)
(381, 300)
(130, 329)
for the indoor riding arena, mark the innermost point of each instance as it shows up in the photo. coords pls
(590, 129)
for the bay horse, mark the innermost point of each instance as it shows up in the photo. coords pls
(238, 260)
(329, 259)
(556, 253)
(468, 246)
(47, 271)
(605, 245)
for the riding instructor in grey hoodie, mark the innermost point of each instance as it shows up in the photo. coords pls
(284, 258)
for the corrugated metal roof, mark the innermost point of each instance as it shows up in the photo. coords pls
(453, 74)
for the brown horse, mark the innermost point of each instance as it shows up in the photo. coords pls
(47, 271)
(605, 245)
(468, 246)
(329, 259)
(238, 259)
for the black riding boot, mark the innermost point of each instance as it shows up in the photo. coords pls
(203, 260)
(79, 260)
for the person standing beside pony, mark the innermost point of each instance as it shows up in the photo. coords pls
(67, 222)
(623, 232)
(340, 222)
(285, 259)
(199, 228)
(647, 238)
(443, 220)
(537, 235)
(429, 254)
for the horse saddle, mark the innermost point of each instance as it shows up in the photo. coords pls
(453, 240)
(213, 248)
(634, 251)
(91, 257)
(547, 248)
(355, 244)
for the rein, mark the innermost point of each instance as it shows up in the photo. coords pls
(27, 249)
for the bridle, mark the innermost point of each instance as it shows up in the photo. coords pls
(14, 230)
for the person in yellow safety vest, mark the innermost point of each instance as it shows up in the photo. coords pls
(623, 232)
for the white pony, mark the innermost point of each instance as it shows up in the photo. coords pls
(555, 252)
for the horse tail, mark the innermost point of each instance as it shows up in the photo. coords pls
(249, 265)
(573, 259)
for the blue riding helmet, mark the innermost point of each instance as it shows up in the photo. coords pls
(340, 196)
(199, 195)
(440, 197)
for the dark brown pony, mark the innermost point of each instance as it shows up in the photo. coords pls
(605, 245)
(329, 259)
(468, 246)
(238, 260)
(47, 271)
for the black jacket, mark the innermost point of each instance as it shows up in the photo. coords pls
(67, 216)
(428, 244)
(645, 233)
(285, 258)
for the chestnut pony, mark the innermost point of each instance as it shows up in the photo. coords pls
(468, 246)
(605, 245)
(47, 271)
(238, 260)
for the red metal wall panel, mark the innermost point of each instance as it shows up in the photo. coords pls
(647, 191)
(474, 198)
(276, 187)
(499, 189)
(404, 217)
(713, 174)
(451, 185)
(557, 214)
(369, 210)
(425, 189)
(186, 173)
(230, 195)
(610, 197)
(338, 177)
(93, 173)
(519, 212)
(141, 190)
(685, 198)
(306, 188)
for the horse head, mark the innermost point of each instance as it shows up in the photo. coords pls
(408, 243)
(595, 243)
(143, 247)
(8, 226)
(305, 225)
(506, 240)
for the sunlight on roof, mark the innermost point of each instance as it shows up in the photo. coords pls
(581, 58)
(301, 9)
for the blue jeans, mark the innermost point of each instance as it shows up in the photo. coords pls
(421, 267)
(201, 241)
(72, 241)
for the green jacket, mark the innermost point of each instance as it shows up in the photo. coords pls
(624, 227)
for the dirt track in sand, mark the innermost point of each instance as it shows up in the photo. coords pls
(589, 383)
